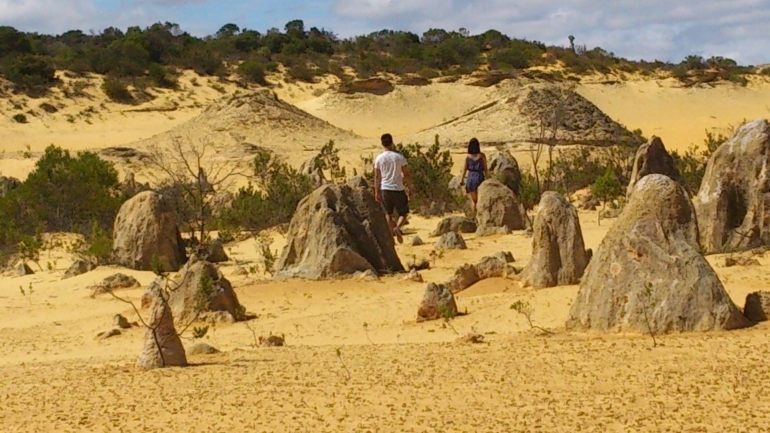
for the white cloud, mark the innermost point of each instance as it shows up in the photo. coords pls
(46, 15)
(637, 29)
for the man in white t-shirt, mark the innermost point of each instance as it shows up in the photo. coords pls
(390, 177)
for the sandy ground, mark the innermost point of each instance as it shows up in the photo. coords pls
(391, 374)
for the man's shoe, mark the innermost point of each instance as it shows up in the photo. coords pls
(399, 235)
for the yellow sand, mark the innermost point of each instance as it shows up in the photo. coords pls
(356, 359)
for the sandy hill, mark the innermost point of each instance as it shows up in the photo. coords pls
(259, 118)
(520, 112)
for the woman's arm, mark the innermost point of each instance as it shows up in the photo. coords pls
(486, 170)
(465, 171)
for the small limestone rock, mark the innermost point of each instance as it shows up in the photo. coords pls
(272, 341)
(368, 275)
(414, 276)
(457, 224)
(115, 282)
(79, 267)
(23, 269)
(215, 252)
(757, 308)
(471, 338)
(202, 349)
(416, 241)
(505, 256)
(451, 241)
(437, 302)
(121, 322)
(108, 334)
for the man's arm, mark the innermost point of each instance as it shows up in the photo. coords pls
(377, 182)
(407, 179)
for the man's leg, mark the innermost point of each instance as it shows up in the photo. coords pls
(402, 208)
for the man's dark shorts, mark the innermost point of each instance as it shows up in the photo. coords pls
(395, 201)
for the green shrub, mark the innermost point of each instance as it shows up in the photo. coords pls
(252, 72)
(161, 77)
(428, 73)
(607, 188)
(301, 72)
(31, 74)
(431, 172)
(20, 118)
(62, 194)
(528, 191)
(117, 91)
(271, 200)
(99, 244)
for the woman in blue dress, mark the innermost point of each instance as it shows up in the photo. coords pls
(475, 171)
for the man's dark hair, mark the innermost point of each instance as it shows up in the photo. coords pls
(387, 140)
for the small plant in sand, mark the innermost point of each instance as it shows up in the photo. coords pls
(269, 257)
(27, 293)
(525, 309)
(329, 159)
(20, 118)
(447, 314)
(435, 256)
(342, 361)
(366, 330)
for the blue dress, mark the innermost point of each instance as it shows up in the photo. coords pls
(475, 174)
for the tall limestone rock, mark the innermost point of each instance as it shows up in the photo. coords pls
(652, 158)
(733, 203)
(559, 256)
(648, 269)
(146, 227)
(338, 230)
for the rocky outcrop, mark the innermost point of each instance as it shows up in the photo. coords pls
(451, 241)
(338, 230)
(648, 274)
(652, 158)
(499, 208)
(146, 227)
(733, 203)
(457, 224)
(8, 184)
(559, 256)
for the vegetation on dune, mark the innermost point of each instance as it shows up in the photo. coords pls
(64, 193)
(152, 56)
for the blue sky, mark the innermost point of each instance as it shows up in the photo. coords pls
(649, 29)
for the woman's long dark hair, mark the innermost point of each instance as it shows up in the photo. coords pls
(474, 148)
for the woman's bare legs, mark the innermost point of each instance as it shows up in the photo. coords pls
(474, 196)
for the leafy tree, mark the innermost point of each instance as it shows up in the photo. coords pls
(252, 72)
(606, 188)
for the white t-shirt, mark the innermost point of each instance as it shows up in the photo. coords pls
(390, 163)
